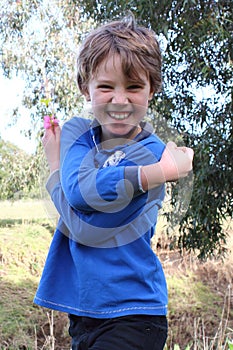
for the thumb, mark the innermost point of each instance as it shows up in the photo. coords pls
(47, 134)
(171, 145)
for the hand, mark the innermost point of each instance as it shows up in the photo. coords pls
(176, 162)
(51, 144)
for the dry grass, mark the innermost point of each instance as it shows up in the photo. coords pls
(200, 307)
(28, 209)
(201, 298)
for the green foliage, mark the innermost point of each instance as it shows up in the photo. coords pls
(40, 43)
(176, 347)
(230, 344)
(40, 40)
(19, 173)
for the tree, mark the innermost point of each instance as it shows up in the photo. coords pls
(196, 40)
(19, 173)
(39, 41)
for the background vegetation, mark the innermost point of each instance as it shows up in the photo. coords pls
(200, 293)
(19, 173)
(39, 41)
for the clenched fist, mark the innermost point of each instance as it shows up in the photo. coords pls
(176, 162)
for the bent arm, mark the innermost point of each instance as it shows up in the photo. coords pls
(91, 188)
(176, 162)
(87, 184)
(106, 227)
(104, 230)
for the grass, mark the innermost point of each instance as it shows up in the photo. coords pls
(23, 249)
(196, 308)
(200, 294)
(25, 235)
(200, 299)
(28, 210)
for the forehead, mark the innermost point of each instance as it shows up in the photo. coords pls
(116, 64)
(111, 63)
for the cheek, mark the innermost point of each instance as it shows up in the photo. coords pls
(95, 97)
(143, 100)
(100, 98)
(98, 110)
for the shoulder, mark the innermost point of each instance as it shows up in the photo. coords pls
(152, 142)
(76, 125)
(148, 134)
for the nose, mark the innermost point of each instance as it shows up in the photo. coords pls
(120, 96)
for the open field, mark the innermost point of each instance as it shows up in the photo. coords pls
(201, 295)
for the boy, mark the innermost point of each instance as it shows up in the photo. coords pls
(109, 187)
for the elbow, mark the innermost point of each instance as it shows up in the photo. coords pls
(76, 200)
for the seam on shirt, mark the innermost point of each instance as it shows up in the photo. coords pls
(102, 312)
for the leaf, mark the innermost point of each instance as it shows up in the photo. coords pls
(230, 344)
(176, 347)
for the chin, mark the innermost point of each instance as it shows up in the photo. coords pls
(126, 133)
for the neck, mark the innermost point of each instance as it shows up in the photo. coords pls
(116, 140)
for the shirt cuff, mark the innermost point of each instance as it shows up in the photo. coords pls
(133, 175)
(140, 180)
(53, 180)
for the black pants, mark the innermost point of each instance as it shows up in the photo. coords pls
(137, 332)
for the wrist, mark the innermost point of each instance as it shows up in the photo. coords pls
(152, 176)
(53, 167)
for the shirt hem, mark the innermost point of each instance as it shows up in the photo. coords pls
(160, 310)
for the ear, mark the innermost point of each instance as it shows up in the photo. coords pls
(151, 95)
(86, 94)
(87, 97)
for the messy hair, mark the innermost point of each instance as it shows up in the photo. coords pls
(137, 46)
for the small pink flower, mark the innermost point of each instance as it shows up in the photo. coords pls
(50, 121)
(47, 124)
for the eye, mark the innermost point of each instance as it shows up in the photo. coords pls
(104, 87)
(135, 87)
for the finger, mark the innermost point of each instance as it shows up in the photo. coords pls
(171, 144)
(57, 131)
(47, 136)
(190, 153)
(183, 149)
(44, 137)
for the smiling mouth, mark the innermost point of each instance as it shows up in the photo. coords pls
(119, 115)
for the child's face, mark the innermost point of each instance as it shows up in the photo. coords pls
(118, 103)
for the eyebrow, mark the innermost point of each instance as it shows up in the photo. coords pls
(105, 81)
(129, 81)
(137, 81)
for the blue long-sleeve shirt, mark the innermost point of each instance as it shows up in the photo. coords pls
(100, 263)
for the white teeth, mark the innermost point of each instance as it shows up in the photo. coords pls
(119, 116)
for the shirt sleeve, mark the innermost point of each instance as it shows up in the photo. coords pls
(104, 224)
(98, 229)
(88, 187)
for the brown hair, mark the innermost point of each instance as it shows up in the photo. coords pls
(137, 47)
